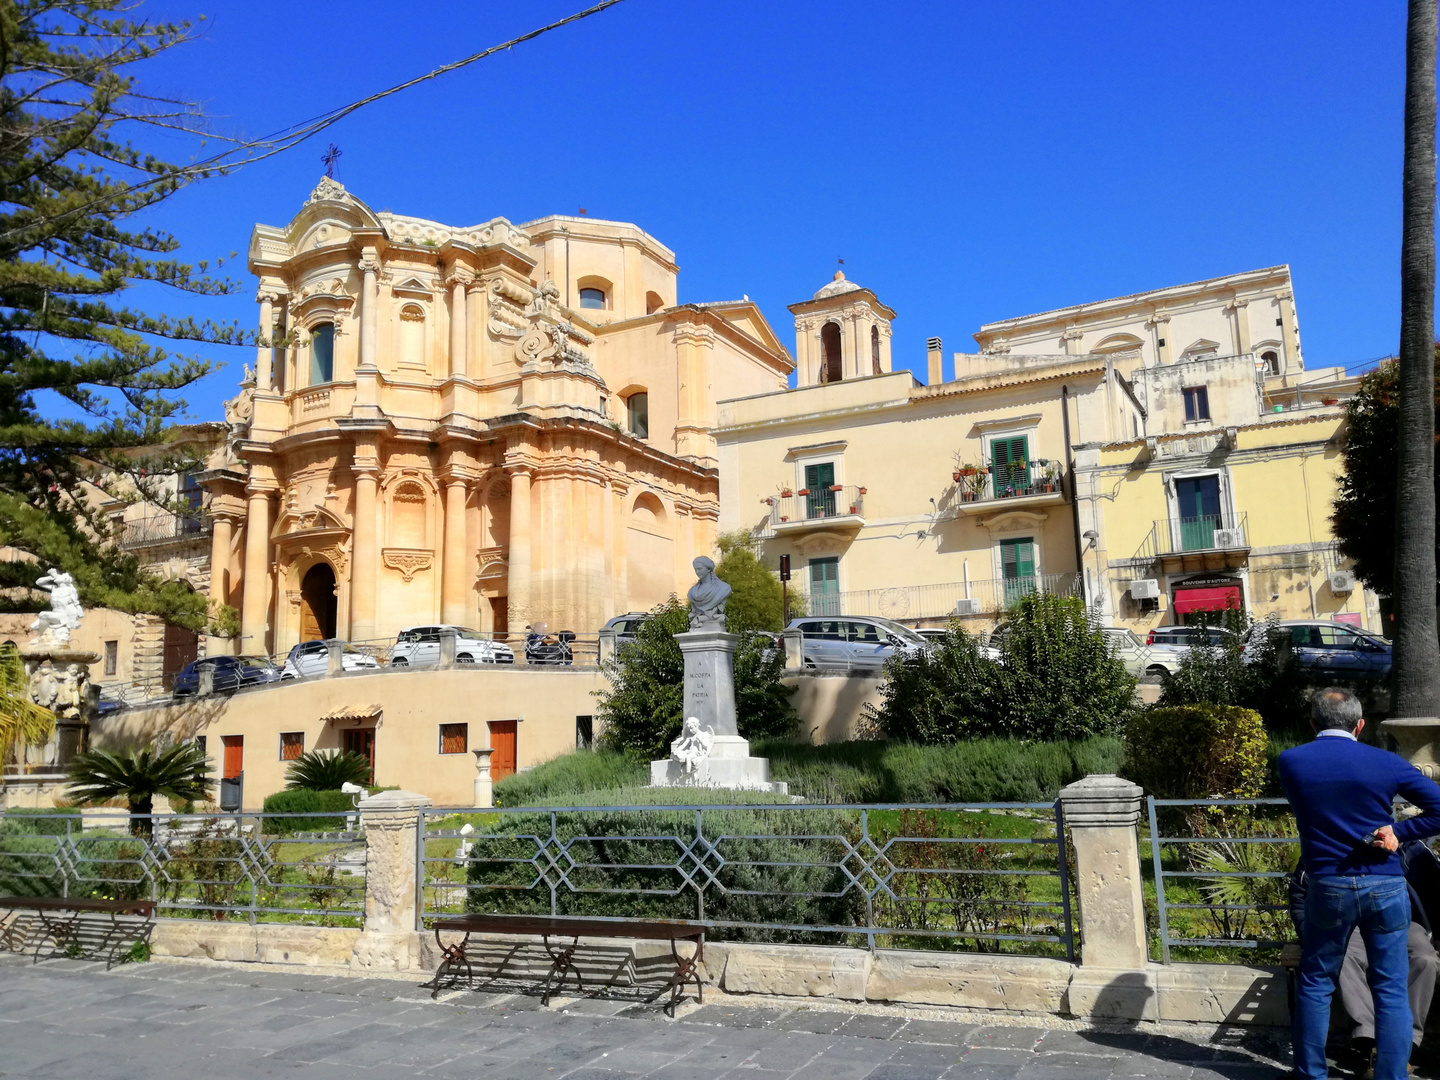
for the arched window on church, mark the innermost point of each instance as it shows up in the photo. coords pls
(322, 354)
(1271, 360)
(830, 370)
(592, 299)
(875, 349)
(653, 303)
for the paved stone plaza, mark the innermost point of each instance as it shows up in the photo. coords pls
(160, 1021)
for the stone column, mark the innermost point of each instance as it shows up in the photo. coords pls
(254, 608)
(389, 941)
(1290, 334)
(457, 281)
(220, 558)
(369, 308)
(362, 554)
(264, 347)
(1239, 325)
(1113, 980)
(518, 585)
(453, 577)
(1161, 324)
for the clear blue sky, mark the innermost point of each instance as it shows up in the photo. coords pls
(969, 161)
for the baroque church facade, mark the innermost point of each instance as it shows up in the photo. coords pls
(492, 426)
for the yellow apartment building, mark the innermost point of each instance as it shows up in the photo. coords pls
(1195, 521)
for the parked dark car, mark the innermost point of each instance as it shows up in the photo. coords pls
(1329, 651)
(231, 673)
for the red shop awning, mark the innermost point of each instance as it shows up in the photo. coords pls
(1212, 598)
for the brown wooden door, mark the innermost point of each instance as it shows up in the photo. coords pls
(317, 603)
(181, 648)
(361, 741)
(502, 742)
(500, 616)
(234, 763)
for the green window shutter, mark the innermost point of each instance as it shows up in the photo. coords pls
(821, 500)
(1017, 558)
(1010, 463)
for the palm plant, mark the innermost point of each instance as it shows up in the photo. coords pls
(1416, 673)
(182, 772)
(321, 770)
(22, 722)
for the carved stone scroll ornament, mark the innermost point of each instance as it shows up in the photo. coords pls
(534, 346)
(409, 561)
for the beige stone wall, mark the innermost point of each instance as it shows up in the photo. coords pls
(411, 704)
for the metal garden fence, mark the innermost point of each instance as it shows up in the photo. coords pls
(993, 875)
(307, 868)
(1226, 888)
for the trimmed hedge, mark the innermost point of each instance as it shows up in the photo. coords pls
(975, 770)
(303, 801)
(1197, 752)
(626, 853)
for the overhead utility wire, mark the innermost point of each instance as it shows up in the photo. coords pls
(288, 137)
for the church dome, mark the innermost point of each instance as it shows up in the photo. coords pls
(837, 286)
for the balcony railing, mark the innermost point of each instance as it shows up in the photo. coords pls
(819, 505)
(1014, 483)
(954, 598)
(1204, 533)
(161, 528)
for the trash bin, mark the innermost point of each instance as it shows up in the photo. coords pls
(231, 789)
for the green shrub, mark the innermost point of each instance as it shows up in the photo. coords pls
(1263, 677)
(305, 801)
(640, 709)
(45, 821)
(755, 593)
(572, 773)
(1056, 678)
(1197, 752)
(975, 771)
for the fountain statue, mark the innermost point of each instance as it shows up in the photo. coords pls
(57, 675)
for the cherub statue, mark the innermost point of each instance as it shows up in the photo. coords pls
(54, 627)
(692, 748)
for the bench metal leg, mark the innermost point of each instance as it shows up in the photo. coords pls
(561, 961)
(452, 955)
(686, 968)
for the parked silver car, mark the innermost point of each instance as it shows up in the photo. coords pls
(311, 658)
(421, 645)
(860, 642)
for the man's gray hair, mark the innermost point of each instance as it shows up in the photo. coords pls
(1335, 709)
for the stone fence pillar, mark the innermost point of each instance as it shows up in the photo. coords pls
(484, 783)
(389, 942)
(334, 657)
(1102, 812)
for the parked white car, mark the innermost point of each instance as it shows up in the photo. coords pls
(311, 658)
(1141, 659)
(421, 645)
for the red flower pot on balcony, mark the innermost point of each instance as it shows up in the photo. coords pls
(803, 492)
(862, 491)
(956, 475)
(854, 510)
(837, 487)
(786, 494)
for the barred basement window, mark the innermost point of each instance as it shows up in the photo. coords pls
(112, 657)
(292, 745)
(454, 738)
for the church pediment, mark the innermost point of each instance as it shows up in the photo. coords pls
(315, 519)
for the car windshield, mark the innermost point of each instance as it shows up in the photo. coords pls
(900, 631)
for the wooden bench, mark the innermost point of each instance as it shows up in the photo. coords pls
(63, 922)
(562, 956)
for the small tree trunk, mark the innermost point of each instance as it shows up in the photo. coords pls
(1416, 673)
(140, 822)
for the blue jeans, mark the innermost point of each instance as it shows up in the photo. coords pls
(1334, 906)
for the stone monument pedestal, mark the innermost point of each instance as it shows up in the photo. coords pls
(710, 699)
(59, 680)
(1417, 736)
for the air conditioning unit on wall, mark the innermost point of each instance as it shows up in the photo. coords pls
(1228, 538)
(966, 607)
(1145, 589)
(1342, 581)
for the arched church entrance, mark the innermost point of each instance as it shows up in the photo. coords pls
(317, 603)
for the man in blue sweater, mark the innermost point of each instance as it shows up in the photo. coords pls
(1342, 792)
